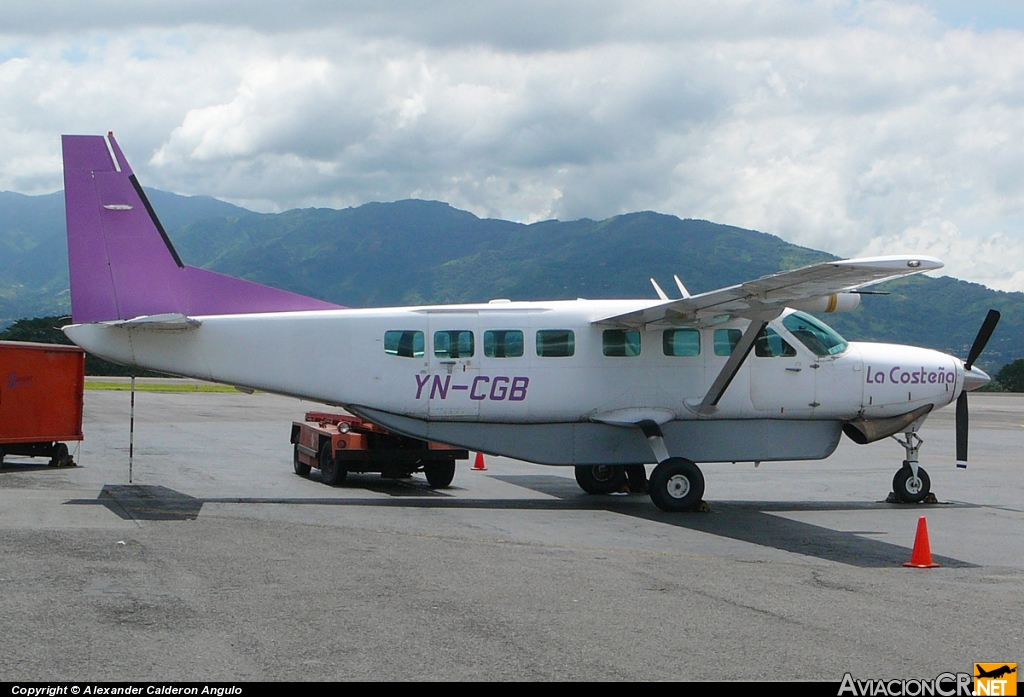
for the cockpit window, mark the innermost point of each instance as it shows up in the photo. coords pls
(770, 345)
(817, 336)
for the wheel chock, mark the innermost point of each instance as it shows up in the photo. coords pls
(921, 557)
(893, 498)
(478, 464)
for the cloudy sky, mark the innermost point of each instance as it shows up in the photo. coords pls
(856, 127)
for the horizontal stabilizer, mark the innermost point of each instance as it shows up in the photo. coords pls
(165, 322)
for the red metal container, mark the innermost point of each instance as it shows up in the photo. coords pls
(41, 387)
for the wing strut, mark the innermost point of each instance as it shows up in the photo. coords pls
(709, 405)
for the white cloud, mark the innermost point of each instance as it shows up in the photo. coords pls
(988, 260)
(847, 126)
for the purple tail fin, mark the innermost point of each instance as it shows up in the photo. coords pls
(122, 262)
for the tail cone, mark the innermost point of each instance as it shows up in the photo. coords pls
(921, 558)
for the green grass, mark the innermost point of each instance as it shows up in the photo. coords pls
(151, 387)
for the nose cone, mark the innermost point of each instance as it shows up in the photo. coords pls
(975, 378)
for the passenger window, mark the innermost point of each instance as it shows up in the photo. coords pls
(726, 340)
(407, 344)
(556, 343)
(503, 343)
(681, 342)
(453, 344)
(619, 342)
(770, 345)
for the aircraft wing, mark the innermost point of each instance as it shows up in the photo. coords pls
(767, 296)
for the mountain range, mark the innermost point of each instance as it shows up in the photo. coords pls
(416, 252)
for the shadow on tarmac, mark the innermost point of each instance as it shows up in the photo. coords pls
(747, 521)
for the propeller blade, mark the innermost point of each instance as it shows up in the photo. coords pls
(961, 430)
(984, 334)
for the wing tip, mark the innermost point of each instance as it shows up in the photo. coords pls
(896, 262)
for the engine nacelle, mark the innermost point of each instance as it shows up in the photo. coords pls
(837, 302)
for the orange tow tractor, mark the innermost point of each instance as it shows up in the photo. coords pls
(337, 444)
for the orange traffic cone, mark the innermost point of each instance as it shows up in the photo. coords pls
(478, 464)
(921, 558)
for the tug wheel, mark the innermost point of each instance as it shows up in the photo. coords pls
(301, 468)
(332, 473)
(439, 474)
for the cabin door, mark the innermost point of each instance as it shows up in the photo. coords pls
(782, 377)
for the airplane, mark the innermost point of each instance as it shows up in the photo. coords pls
(742, 373)
(995, 673)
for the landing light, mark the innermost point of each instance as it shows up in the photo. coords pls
(913, 264)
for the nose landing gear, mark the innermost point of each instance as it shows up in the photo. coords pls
(911, 483)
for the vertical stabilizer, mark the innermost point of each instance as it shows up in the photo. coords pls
(122, 263)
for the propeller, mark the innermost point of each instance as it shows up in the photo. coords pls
(984, 334)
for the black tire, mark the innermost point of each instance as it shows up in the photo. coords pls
(636, 476)
(61, 456)
(332, 472)
(439, 474)
(301, 468)
(676, 485)
(1, 457)
(601, 479)
(910, 491)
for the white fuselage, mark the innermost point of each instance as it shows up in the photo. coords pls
(396, 366)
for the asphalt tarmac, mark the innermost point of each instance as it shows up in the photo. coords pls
(217, 562)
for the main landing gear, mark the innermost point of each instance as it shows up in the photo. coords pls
(911, 483)
(612, 479)
(601, 479)
(676, 485)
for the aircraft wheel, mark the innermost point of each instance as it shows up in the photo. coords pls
(332, 473)
(677, 484)
(601, 479)
(910, 489)
(439, 474)
(301, 468)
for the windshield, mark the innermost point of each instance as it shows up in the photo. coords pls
(817, 336)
